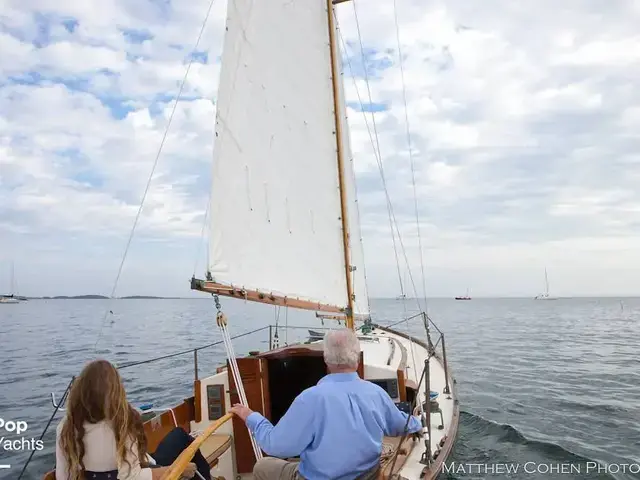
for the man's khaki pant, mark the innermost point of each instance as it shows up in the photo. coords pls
(271, 468)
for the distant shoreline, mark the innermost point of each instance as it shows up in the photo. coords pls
(102, 297)
(151, 297)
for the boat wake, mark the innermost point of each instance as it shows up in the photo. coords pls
(483, 442)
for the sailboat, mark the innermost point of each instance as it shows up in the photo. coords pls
(545, 295)
(11, 297)
(7, 299)
(405, 282)
(466, 297)
(284, 231)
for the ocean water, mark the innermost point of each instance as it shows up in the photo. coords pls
(548, 389)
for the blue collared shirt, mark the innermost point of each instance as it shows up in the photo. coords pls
(336, 427)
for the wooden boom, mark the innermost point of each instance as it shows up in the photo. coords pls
(216, 288)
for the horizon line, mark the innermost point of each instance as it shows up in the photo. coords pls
(94, 296)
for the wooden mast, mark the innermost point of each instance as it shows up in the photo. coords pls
(343, 195)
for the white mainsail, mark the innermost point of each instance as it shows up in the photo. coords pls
(275, 202)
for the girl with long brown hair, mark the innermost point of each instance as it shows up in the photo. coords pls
(102, 435)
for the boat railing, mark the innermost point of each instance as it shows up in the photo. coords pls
(274, 334)
(428, 407)
(428, 323)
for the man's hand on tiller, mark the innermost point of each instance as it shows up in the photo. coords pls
(241, 411)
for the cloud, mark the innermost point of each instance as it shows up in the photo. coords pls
(523, 136)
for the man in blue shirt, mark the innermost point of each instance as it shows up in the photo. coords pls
(336, 426)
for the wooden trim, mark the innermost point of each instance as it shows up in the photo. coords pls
(197, 396)
(311, 350)
(261, 297)
(402, 386)
(344, 214)
(157, 428)
(252, 375)
(266, 392)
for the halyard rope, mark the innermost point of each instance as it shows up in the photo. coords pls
(221, 320)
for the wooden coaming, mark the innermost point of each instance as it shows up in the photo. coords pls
(254, 376)
(155, 429)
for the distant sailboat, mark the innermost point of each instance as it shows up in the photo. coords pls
(11, 297)
(466, 297)
(545, 295)
(403, 287)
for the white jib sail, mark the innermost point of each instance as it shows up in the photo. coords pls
(275, 203)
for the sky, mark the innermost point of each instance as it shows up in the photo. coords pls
(523, 131)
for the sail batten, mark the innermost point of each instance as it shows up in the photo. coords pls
(276, 222)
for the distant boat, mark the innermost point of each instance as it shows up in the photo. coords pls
(6, 299)
(545, 295)
(401, 297)
(315, 335)
(465, 297)
(12, 297)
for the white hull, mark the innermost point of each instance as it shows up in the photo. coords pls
(8, 301)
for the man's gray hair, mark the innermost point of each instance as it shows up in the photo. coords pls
(342, 347)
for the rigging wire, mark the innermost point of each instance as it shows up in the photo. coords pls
(383, 178)
(235, 370)
(392, 219)
(376, 147)
(413, 181)
(62, 400)
(413, 174)
(155, 164)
